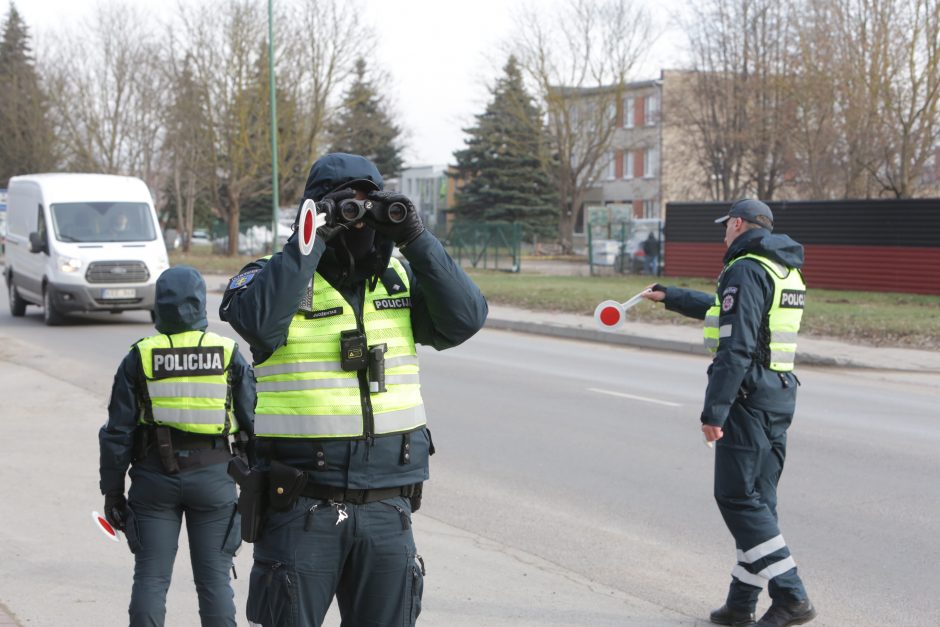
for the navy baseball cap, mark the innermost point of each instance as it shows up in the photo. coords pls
(749, 209)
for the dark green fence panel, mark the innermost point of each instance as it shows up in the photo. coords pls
(495, 245)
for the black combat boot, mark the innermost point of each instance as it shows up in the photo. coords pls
(725, 615)
(782, 615)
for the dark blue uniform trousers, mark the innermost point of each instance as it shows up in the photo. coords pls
(748, 463)
(311, 552)
(157, 502)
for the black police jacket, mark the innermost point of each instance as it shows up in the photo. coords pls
(447, 309)
(736, 376)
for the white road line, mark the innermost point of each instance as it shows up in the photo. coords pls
(636, 398)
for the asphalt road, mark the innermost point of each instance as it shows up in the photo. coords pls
(589, 458)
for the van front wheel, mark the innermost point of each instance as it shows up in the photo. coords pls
(17, 304)
(50, 314)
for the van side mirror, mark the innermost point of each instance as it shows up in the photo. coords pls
(36, 243)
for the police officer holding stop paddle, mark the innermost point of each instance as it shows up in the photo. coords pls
(178, 398)
(751, 324)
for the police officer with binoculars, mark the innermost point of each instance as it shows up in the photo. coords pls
(342, 437)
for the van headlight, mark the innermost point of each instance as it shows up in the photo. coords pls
(162, 264)
(69, 264)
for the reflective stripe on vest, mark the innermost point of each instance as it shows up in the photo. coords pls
(304, 393)
(784, 316)
(196, 403)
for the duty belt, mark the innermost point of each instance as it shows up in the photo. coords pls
(357, 497)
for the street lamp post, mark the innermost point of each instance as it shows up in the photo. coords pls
(275, 200)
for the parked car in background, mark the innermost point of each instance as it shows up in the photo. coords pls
(632, 260)
(200, 238)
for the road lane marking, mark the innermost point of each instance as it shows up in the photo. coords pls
(636, 398)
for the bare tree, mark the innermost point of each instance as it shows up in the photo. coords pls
(909, 102)
(817, 141)
(742, 108)
(578, 61)
(313, 68)
(869, 83)
(107, 95)
(188, 145)
(225, 42)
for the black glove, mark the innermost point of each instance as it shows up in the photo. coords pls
(115, 510)
(402, 233)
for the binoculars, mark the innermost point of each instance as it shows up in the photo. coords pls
(352, 210)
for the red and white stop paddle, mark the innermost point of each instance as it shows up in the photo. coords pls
(307, 226)
(105, 527)
(610, 315)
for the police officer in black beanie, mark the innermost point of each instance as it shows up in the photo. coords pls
(342, 434)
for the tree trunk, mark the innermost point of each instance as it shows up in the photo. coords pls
(178, 197)
(234, 214)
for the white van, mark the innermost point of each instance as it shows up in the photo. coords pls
(81, 242)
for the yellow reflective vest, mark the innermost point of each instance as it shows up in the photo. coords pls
(785, 313)
(303, 392)
(187, 384)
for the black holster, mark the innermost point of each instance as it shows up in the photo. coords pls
(252, 497)
(415, 496)
(165, 449)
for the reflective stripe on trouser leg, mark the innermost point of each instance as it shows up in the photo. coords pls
(763, 576)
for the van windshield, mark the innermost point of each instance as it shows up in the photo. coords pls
(102, 222)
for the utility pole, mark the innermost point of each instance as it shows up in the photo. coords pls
(275, 200)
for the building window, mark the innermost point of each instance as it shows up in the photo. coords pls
(649, 163)
(650, 209)
(628, 105)
(628, 165)
(650, 110)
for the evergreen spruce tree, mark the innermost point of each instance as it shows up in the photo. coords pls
(502, 167)
(27, 143)
(365, 128)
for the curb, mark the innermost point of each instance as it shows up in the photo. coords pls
(605, 337)
(637, 341)
(664, 344)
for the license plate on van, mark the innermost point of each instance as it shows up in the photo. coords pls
(118, 293)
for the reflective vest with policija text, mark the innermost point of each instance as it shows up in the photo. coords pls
(187, 382)
(303, 392)
(783, 318)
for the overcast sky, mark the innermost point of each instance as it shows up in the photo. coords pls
(441, 55)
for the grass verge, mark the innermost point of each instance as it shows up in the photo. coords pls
(874, 318)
